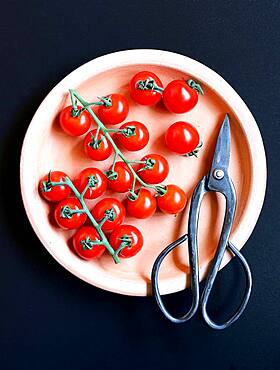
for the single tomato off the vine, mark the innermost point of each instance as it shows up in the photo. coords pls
(179, 97)
(128, 238)
(154, 170)
(74, 122)
(94, 179)
(97, 147)
(57, 192)
(133, 136)
(146, 88)
(143, 206)
(116, 112)
(120, 180)
(173, 201)
(68, 214)
(83, 242)
(182, 137)
(110, 212)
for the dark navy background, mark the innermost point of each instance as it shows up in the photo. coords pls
(49, 318)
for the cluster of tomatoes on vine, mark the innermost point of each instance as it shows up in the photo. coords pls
(123, 176)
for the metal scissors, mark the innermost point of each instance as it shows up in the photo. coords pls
(217, 180)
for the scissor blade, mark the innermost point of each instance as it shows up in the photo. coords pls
(222, 150)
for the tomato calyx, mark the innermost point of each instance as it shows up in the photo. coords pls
(109, 215)
(194, 152)
(105, 100)
(75, 112)
(111, 174)
(88, 244)
(148, 84)
(133, 195)
(149, 164)
(95, 142)
(195, 86)
(160, 190)
(92, 181)
(48, 185)
(67, 212)
(125, 243)
(129, 131)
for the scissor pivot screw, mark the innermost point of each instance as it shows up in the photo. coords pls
(219, 174)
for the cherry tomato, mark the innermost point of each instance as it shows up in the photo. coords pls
(179, 97)
(146, 88)
(83, 243)
(64, 216)
(74, 123)
(144, 206)
(116, 113)
(54, 193)
(134, 136)
(173, 201)
(126, 235)
(121, 179)
(96, 179)
(98, 150)
(110, 211)
(155, 170)
(182, 137)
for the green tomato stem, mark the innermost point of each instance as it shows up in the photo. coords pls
(104, 241)
(109, 138)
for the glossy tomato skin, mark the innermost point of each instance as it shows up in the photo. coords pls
(123, 182)
(76, 220)
(99, 182)
(116, 113)
(104, 149)
(138, 140)
(81, 243)
(157, 173)
(182, 137)
(104, 205)
(144, 206)
(145, 97)
(74, 126)
(55, 193)
(173, 201)
(179, 97)
(134, 235)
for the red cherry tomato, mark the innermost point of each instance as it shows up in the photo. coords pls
(182, 137)
(64, 216)
(83, 243)
(145, 88)
(173, 201)
(110, 211)
(74, 124)
(116, 113)
(134, 136)
(99, 149)
(144, 206)
(129, 237)
(54, 193)
(155, 170)
(121, 179)
(179, 97)
(95, 178)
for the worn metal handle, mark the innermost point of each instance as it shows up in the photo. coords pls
(244, 302)
(155, 285)
(191, 312)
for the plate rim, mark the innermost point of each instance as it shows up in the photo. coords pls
(216, 83)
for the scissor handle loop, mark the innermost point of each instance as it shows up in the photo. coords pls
(204, 298)
(245, 299)
(155, 285)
